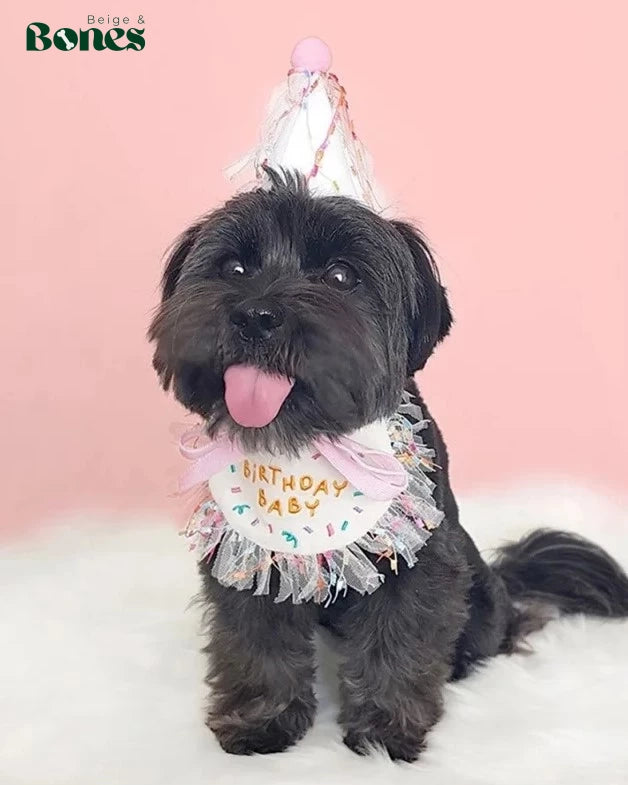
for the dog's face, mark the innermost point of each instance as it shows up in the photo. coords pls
(318, 305)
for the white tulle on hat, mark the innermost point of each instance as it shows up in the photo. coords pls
(308, 129)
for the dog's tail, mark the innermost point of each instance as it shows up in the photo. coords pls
(555, 570)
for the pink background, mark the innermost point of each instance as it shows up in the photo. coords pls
(502, 130)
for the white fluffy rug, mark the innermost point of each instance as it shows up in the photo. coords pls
(101, 679)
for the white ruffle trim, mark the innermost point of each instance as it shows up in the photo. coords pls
(401, 532)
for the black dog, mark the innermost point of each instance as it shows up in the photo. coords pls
(349, 305)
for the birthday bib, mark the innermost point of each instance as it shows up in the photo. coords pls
(304, 520)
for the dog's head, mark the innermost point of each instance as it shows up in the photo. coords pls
(286, 317)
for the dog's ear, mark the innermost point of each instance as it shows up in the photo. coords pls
(175, 259)
(174, 264)
(430, 317)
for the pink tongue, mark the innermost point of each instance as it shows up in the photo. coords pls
(254, 397)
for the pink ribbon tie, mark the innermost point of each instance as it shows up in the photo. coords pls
(208, 456)
(377, 474)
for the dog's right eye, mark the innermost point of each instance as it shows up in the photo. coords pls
(341, 276)
(232, 268)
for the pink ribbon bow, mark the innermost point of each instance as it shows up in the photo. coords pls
(376, 474)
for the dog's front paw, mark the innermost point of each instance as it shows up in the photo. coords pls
(401, 733)
(398, 745)
(242, 735)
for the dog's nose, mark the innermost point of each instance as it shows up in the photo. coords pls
(258, 321)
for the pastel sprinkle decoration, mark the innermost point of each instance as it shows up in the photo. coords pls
(254, 522)
(358, 509)
(232, 468)
(236, 489)
(270, 528)
(316, 456)
(308, 529)
(289, 538)
(344, 526)
(330, 530)
(358, 493)
(240, 508)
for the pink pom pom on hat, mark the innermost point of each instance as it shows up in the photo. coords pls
(311, 54)
(308, 129)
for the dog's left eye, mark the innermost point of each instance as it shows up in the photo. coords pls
(341, 276)
(232, 268)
